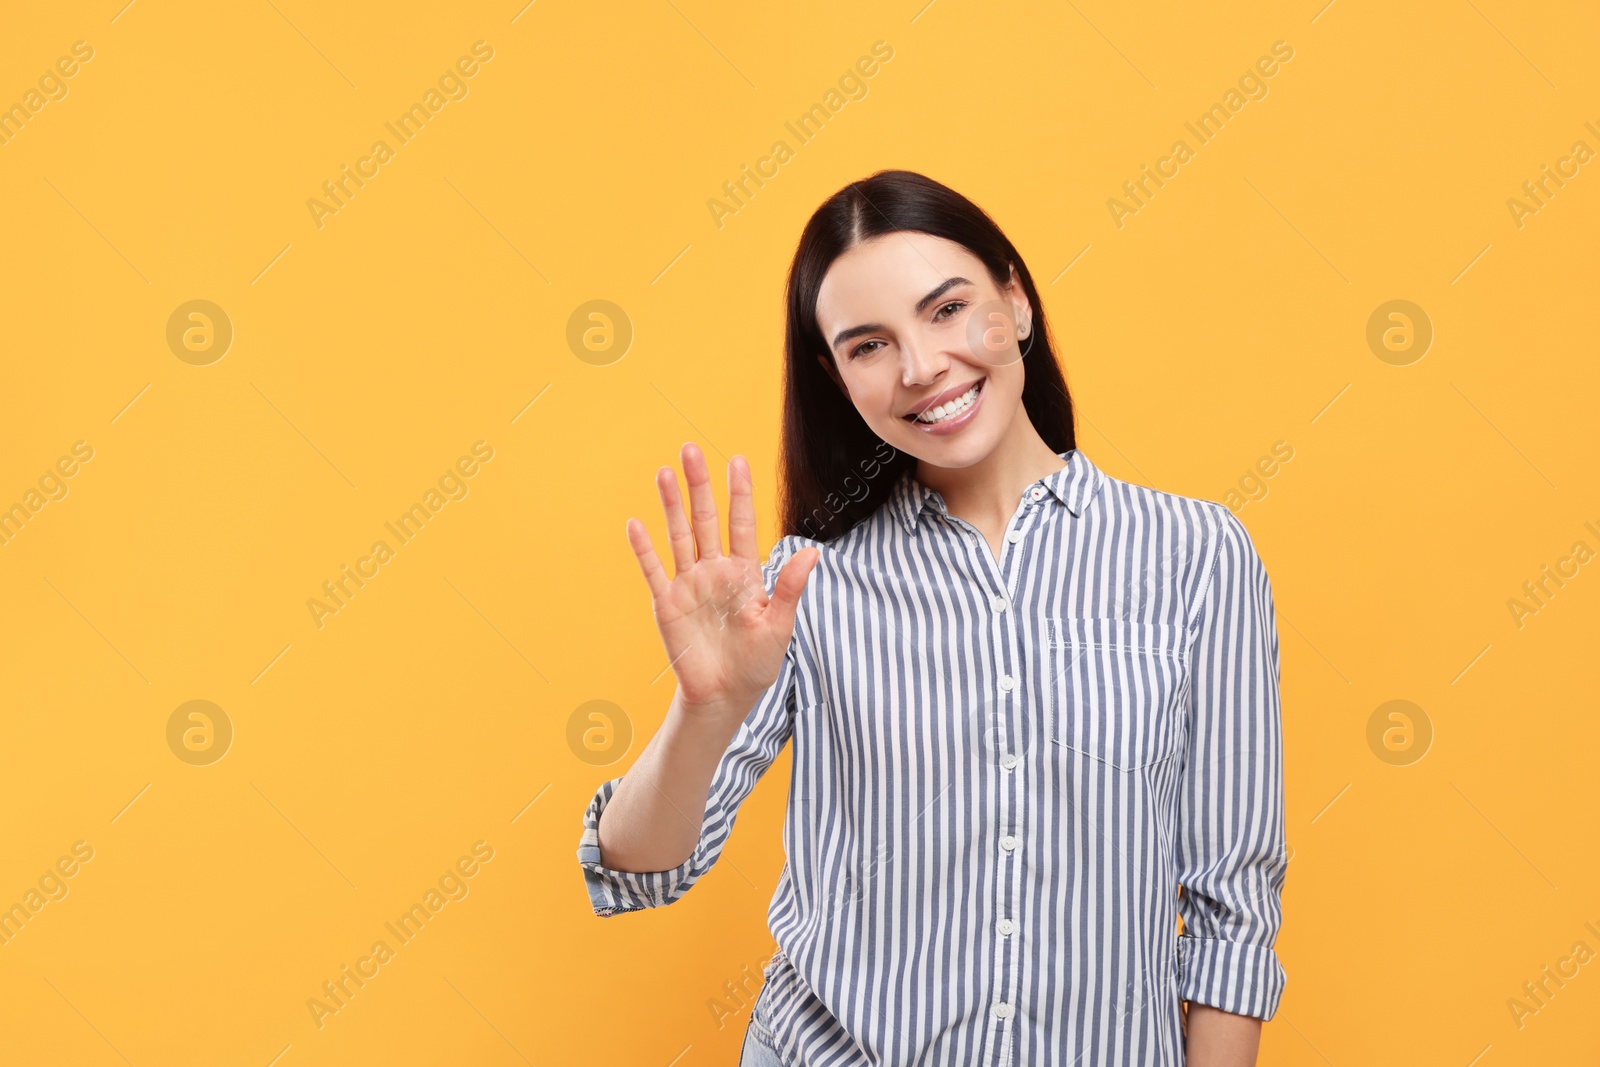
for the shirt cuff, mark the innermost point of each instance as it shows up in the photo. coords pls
(612, 892)
(1233, 976)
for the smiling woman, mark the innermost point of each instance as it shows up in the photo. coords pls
(963, 306)
(1033, 708)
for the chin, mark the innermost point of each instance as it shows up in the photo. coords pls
(957, 450)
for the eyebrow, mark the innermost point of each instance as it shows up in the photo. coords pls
(936, 293)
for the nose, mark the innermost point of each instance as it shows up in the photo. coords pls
(921, 364)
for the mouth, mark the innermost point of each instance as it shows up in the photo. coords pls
(950, 410)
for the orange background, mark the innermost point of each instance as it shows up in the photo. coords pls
(431, 312)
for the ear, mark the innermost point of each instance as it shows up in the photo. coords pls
(833, 372)
(1019, 297)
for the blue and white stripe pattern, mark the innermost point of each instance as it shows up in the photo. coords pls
(1003, 771)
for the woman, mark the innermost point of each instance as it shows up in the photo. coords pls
(1027, 700)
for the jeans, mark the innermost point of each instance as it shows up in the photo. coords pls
(758, 1050)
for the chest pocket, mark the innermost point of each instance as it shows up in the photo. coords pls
(1112, 687)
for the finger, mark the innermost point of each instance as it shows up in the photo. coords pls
(702, 505)
(678, 534)
(741, 510)
(655, 575)
(791, 582)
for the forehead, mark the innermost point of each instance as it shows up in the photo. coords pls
(886, 276)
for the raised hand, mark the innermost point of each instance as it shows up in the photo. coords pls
(724, 637)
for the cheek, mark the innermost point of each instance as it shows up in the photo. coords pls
(1007, 382)
(872, 393)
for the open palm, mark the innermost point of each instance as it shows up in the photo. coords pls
(724, 636)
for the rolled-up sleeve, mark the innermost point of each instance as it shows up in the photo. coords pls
(1230, 836)
(754, 746)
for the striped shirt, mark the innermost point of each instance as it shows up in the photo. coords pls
(1003, 770)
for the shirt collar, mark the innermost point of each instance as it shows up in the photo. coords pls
(1074, 485)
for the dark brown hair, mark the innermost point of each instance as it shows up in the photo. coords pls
(833, 470)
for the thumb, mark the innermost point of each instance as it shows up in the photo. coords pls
(791, 582)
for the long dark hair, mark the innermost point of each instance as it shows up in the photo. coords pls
(834, 471)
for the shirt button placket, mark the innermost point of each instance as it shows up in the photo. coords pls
(1009, 873)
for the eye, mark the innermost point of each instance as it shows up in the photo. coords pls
(939, 315)
(862, 350)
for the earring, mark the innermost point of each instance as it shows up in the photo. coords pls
(1022, 331)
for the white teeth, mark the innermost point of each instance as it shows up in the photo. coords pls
(951, 409)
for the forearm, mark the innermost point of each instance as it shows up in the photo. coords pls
(1216, 1038)
(652, 822)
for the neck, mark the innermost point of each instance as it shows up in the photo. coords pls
(986, 493)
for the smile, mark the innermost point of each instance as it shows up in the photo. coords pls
(952, 413)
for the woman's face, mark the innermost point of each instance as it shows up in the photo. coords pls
(915, 325)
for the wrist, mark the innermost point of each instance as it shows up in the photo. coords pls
(716, 702)
(718, 718)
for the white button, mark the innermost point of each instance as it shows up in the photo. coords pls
(1007, 927)
(1002, 1010)
(1008, 761)
(998, 602)
(1014, 536)
(1007, 682)
(1037, 493)
(1008, 842)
